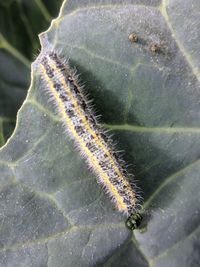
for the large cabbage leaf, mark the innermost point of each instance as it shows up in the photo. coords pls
(53, 213)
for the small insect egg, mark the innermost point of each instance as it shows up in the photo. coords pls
(133, 37)
(154, 48)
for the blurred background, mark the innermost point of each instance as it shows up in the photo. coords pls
(20, 23)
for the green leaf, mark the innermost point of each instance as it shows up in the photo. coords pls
(20, 23)
(53, 213)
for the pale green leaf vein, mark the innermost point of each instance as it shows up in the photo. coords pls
(169, 180)
(163, 10)
(141, 129)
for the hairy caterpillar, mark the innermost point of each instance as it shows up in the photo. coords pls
(92, 141)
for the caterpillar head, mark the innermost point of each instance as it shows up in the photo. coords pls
(133, 221)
